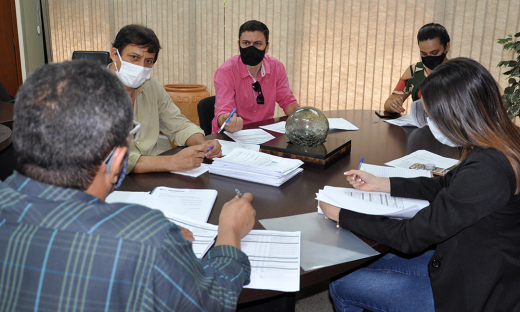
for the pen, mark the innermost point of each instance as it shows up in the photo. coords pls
(227, 119)
(238, 193)
(360, 163)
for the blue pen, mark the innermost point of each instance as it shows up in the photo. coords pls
(360, 163)
(227, 119)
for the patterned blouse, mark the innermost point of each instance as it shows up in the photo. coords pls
(405, 86)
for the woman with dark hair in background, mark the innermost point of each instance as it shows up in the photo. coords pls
(472, 223)
(434, 43)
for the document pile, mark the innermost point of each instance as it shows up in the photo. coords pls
(256, 167)
(416, 118)
(372, 203)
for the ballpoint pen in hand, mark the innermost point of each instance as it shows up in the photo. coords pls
(360, 163)
(227, 119)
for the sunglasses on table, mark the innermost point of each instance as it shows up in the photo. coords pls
(258, 88)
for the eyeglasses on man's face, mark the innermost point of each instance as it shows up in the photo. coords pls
(260, 96)
(133, 134)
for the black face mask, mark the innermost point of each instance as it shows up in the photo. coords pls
(252, 56)
(433, 61)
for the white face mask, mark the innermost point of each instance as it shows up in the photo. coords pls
(132, 75)
(438, 134)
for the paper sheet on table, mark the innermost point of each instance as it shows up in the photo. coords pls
(276, 127)
(393, 172)
(322, 244)
(341, 124)
(274, 258)
(229, 146)
(250, 136)
(403, 121)
(372, 203)
(204, 233)
(194, 172)
(194, 204)
(423, 157)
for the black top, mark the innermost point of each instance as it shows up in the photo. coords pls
(474, 221)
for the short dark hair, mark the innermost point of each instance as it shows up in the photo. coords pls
(431, 31)
(464, 101)
(254, 26)
(139, 35)
(67, 118)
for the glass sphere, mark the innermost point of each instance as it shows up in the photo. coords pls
(307, 126)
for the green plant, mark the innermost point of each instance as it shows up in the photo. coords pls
(512, 92)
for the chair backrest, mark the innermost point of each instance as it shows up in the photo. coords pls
(206, 111)
(4, 95)
(98, 56)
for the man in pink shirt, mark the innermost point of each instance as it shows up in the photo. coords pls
(251, 82)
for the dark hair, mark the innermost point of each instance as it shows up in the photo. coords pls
(432, 31)
(67, 118)
(139, 35)
(254, 26)
(464, 101)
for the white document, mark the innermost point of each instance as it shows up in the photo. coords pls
(403, 121)
(204, 233)
(416, 118)
(276, 127)
(423, 157)
(418, 113)
(228, 146)
(250, 136)
(392, 172)
(191, 203)
(274, 258)
(194, 172)
(341, 124)
(372, 203)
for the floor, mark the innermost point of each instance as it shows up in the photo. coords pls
(311, 299)
(314, 299)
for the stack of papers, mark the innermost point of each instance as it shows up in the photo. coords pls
(372, 203)
(256, 167)
(190, 203)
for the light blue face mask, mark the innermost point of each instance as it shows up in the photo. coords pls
(122, 174)
(438, 134)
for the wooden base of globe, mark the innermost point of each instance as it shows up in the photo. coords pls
(322, 156)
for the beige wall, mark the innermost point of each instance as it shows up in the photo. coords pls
(338, 54)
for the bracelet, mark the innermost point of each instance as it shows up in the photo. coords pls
(337, 224)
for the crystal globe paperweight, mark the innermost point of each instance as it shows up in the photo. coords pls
(307, 126)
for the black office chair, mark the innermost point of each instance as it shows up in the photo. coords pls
(98, 56)
(4, 95)
(206, 111)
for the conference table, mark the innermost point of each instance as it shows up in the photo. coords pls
(376, 141)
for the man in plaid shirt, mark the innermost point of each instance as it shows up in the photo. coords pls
(62, 247)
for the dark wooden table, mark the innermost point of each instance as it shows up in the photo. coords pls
(377, 141)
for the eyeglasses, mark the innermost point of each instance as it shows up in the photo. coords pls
(134, 136)
(258, 88)
(136, 130)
